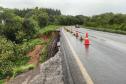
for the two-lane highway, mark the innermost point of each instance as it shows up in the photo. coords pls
(105, 59)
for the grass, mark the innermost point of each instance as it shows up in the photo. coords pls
(43, 55)
(46, 30)
(36, 41)
(22, 61)
(29, 45)
(1, 81)
(21, 69)
(107, 30)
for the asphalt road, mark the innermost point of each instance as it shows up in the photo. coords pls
(105, 59)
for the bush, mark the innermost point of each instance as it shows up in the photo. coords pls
(7, 57)
(13, 55)
(43, 55)
(30, 27)
(123, 27)
(20, 69)
(11, 28)
(42, 20)
(1, 81)
(46, 30)
(25, 47)
(108, 21)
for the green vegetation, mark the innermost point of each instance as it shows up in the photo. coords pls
(107, 30)
(18, 35)
(1, 82)
(21, 69)
(109, 22)
(29, 45)
(71, 20)
(46, 30)
(43, 55)
(14, 55)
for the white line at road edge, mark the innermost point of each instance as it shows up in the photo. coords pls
(83, 70)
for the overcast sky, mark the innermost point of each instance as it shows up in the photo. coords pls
(71, 7)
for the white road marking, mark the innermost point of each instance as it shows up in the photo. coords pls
(83, 70)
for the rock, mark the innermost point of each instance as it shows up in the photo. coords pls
(49, 72)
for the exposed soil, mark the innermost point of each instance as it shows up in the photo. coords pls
(35, 55)
(45, 38)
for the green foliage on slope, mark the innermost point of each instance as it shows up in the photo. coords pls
(17, 37)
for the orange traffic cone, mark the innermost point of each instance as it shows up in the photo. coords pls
(86, 35)
(86, 40)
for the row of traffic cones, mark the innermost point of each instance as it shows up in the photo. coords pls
(86, 39)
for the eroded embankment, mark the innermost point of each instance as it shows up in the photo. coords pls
(49, 72)
(51, 39)
(35, 55)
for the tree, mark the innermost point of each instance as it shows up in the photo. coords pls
(81, 19)
(43, 20)
(12, 26)
(30, 27)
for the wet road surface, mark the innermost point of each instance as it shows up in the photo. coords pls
(105, 58)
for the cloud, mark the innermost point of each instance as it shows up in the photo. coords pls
(72, 7)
